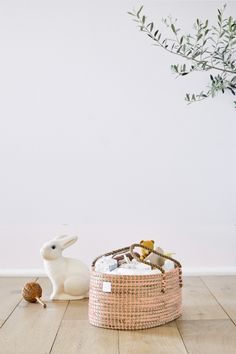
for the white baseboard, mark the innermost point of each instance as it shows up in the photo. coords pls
(189, 271)
(22, 272)
(201, 271)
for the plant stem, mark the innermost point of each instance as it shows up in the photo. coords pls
(182, 55)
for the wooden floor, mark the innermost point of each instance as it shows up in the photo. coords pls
(208, 324)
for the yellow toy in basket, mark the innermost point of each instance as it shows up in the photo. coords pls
(149, 244)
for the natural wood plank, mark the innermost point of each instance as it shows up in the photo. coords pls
(198, 303)
(159, 340)
(64, 328)
(30, 328)
(77, 310)
(224, 290)
(10, 295)
(78, 336)
(209, 336)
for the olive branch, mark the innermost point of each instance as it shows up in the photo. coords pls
(209, 48)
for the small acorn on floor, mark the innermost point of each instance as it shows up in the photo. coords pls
(32, 292)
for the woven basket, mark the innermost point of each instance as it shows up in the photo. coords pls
(130, 302)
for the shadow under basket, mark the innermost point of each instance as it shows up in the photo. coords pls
(131, 302)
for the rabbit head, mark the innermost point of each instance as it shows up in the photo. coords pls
(53, 249)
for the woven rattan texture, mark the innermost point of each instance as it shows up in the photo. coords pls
(135, 301)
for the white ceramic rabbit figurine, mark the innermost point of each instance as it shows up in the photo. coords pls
(69, 277)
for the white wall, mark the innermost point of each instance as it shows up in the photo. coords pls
(96, 139)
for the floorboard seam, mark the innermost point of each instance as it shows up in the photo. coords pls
(54, 340)
(217, 301)
(185, 346)
(14, 308)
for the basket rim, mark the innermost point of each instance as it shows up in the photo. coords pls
(158, 275)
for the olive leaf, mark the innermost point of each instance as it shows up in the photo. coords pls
(209, 48)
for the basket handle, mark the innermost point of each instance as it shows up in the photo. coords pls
(131, 249)
(176, 263)
(120, 250)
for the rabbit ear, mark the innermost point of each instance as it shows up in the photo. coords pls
(60, 237)
(66, 241)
